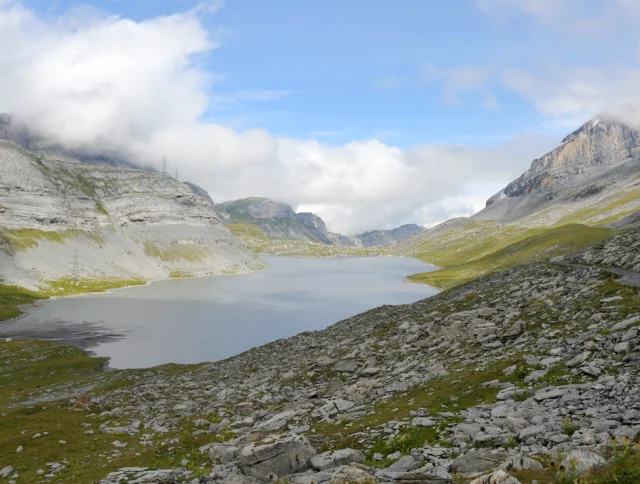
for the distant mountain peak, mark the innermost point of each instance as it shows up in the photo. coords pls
(278, 220)
(600, 142)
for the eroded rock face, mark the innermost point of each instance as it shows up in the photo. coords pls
(600, 157)
(126, 223)
(601, 142)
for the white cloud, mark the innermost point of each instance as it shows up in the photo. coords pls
(140, 87)
(571, 96)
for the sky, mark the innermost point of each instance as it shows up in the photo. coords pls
(371, 113)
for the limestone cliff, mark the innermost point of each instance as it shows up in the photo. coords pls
(601, 156)
(124, 223)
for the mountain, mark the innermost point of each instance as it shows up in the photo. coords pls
(575, 195)
(597, 160)
(278, 221)
(125, 224)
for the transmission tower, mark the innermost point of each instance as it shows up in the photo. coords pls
(164, 164)
(75, 267)
(177, 172)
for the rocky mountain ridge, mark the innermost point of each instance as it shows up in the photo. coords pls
(600, 157)
(278, 220)
(125, 224)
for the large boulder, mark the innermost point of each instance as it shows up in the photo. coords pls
(223, 453)
(474, 463)
(273, 460)
(329, 460)
(497, 477)
(578, 462)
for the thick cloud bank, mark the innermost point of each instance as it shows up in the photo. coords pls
(87, 79)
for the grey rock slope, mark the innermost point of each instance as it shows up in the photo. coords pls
(124, 223)
(537, 367)
(602, 156)
(279, 221)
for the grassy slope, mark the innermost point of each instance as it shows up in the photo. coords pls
(31, 368)
(483, 247)
(12, 297)
(535, 245)
(255, 238)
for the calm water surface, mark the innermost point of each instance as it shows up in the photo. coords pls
(212, 318)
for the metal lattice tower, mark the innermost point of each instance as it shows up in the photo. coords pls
(177, 172)
(75, 268)
(164, 164)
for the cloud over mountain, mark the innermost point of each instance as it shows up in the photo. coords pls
(91, 79)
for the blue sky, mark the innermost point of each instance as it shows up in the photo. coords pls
(370, 112)
(328, 60)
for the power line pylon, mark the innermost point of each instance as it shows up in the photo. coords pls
(75, 267)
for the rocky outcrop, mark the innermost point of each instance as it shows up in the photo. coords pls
(123, 223)
(601, 156)
(312, 220)
(201, 192)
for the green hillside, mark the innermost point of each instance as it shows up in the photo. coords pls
(533, 245)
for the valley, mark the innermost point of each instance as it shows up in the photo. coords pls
(524, 368)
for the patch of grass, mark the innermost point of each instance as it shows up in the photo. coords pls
(12, 297)
(23, 239)
(68, 286)
(179, 274)
(615, 208)
(101, 209)
(27, 366)
(176, 252)
(408, 438)
(247, 231)
(569, 426)
(33, 370)
(541, 246)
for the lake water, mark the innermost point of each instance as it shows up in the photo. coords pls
(212, 318)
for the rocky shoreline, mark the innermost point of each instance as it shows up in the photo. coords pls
(530, 372)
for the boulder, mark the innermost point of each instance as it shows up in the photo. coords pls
(6, 472)
(578, 462)
(346, 366)
(474, 463)
(329, 460)
(351, 475)
(497, 477)
(281, 458)
(276, 422)
(521, 462)
(239, 479)
(223, 453)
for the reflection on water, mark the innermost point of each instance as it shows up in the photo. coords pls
(212, 318)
